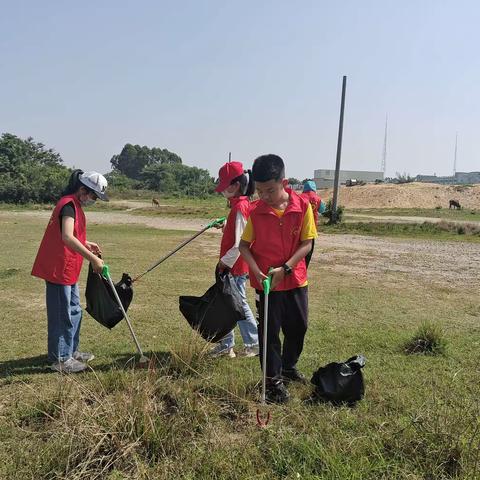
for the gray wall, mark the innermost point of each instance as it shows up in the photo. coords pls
(324, 177)
(458, 179)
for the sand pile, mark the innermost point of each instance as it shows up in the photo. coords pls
(409, 195)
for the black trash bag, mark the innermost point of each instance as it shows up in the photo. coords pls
(101, 302)
(217, 311)
(340, 383)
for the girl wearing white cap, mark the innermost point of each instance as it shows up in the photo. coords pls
(59, 262)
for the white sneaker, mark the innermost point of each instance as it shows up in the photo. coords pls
(83, 356)
(221, 351)
(251, 351)
(69, 366)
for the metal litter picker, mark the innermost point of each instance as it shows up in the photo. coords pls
(106, 275)
(213, 223)
(266, 291)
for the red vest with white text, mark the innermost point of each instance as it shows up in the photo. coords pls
(278, 238)
(55, 262)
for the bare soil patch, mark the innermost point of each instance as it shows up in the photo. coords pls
(409, 195)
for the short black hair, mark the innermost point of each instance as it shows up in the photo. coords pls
(268, 167)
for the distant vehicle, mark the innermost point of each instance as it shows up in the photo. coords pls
(352, 182)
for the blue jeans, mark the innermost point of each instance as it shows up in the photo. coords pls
(64, 319)
(248, 326)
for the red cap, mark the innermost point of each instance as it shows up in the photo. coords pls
(227, 173)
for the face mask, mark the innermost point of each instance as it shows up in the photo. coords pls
(230, 191)
(228, 194)
(88, 202)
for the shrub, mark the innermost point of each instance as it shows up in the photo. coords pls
(328, 213)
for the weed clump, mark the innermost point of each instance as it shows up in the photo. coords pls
(429, 339)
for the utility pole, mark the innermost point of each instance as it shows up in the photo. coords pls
(334, 216)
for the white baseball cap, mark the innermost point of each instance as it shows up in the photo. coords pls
(96, 182)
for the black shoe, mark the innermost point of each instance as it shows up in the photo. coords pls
(277, 392)
(293, 375)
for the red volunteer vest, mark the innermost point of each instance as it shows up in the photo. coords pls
(55, 262)
(315, 201)
(242, 205)
(277, 239)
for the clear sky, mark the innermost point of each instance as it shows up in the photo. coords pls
(203, 78)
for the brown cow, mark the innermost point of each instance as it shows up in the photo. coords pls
(455, 204)
(155, 202)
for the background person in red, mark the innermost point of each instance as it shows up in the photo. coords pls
(236, 188)
(310, 194)
(59, 262)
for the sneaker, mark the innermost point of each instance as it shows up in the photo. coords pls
(293, 375)
(83, 356)
(69, 366)
(222, 351)
(251, 351)
(277, 392)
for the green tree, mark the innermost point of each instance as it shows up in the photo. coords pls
(175, 178)
(29, 172)
(121, 182)
(403, 178)
(294, 181)
(133, 159)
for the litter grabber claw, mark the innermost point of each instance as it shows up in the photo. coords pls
(262, 423)
(213, 223)
(106, 274)
(267, 283)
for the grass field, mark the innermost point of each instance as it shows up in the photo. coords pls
(465, 214)
(194, 417)
(441, 231)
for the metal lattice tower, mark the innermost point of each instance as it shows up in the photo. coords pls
(455, 155)
(384, 153)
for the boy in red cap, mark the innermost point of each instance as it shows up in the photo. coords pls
(236, 188)
(279, 235)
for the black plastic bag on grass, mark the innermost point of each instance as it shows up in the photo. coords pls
(101, 302)
(340, 383)
(217, 311)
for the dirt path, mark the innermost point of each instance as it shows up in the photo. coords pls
(448, 264)
(350, 217)
(123, 218)
(131, 205)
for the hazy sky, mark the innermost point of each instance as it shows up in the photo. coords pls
(203, 78)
